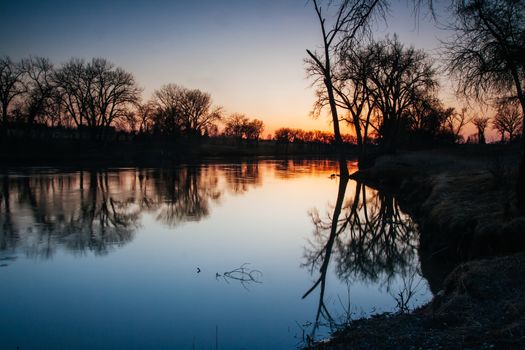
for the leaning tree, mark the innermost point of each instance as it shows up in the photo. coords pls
(343, 24)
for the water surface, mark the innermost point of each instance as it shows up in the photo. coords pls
(215, 255)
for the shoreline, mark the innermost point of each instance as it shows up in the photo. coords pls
(154, 152)
(470, 237)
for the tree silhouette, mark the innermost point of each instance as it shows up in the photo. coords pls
(41, 90)
(96, 94)
(11, 85)
(481, 124)
(181, 110)
(352, 20)
(166, 115)
(240, 127)
(397, 78)
(455, 122)
(507, 119)
(485, 55)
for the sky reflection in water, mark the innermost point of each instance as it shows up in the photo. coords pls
(110, 259)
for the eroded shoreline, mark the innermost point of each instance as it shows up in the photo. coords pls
(473, 239)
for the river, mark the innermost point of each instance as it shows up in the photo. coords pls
(215, 255)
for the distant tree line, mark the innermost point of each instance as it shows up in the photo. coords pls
(93, 99)
(91, 96)
(290, 135)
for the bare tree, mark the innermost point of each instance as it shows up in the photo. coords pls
(184, 110)
(166, 116)
(234, 125)
(41, 89)
(427, 113)
(72, 85)
(254, 129)
(377, 84)
(95, 94)
(486, 52)
(455, 122)
(353, 72)
(507, 118)
(486, 55)
(351, 94)
(239, 126)
(144, 117)
(113, 93)
(397, 78)
(11, 85)
(196, 112)
(352, 20)
(481, 124)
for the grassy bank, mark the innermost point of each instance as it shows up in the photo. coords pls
(463, 202)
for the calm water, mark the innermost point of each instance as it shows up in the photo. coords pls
(197, 257)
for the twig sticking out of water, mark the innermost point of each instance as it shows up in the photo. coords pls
(243, 274)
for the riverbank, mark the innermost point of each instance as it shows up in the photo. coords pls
(152, 152)
(472, 252)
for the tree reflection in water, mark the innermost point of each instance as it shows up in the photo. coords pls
(185, 193)
(96, 210)
(369, 239)
(75, 210)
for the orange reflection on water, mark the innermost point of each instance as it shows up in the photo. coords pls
(95, 209)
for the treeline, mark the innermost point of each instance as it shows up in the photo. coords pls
(388, 90)
(387, 93)
(289, 135)
(95, 99)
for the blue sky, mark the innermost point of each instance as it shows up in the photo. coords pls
(247, 54)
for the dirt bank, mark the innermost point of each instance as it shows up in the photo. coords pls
(482, 306)
(463, 202)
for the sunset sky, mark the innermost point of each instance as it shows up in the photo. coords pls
(247, 54)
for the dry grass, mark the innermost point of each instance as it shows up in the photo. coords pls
(464, 205)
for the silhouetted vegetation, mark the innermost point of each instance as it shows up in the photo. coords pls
(97, 209)
(390, 92)
(507, 119)
(240, 127)
(351, 24)
(486, 56)
(481, 124)
(92, 111)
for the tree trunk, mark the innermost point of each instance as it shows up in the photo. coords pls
(388, 137)
(3, 132)
(343, 168)
(520, 183)
(481, 138)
